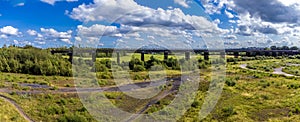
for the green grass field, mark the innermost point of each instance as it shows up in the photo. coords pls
(248, 95)
(8, 113)
(138, 55)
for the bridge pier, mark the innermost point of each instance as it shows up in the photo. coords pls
(94, 56)
(257, 53)
(267, 54)
(166, 55)
(236, 54)
(106, 53)
(143, 56)
(222, 54)
(118, 58)
(289, 53)
(206, 56)
(280, 53)
(248, 54)
(274, 54)
(70, 57)
(187, 55)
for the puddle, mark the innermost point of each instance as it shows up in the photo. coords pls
(276, 70)
(244, 66)
(290, 64)
(280, 72)
(34, 85)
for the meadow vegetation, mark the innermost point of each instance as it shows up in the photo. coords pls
(8, 113)
(248, 95)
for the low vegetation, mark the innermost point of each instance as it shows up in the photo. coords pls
(295, 70)
(8, 112)
(248, 95)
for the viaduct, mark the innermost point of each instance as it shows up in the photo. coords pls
(235, 52)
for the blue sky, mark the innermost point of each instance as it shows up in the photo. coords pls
(129, 23)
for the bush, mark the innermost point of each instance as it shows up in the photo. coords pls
(44, 83)
(293, 86)
(104, 75)
(138, 68)
(230, 82)
(100, 67)
(296, 109)
(15, 86)
(135, 61)
(173, 63)
(73, 118)
(54, 88)
(228, 111)
(137, 77)
(62, 102)
(2, 85)
(264, 84)
(195, 104)
(54, 110)
(104, 82)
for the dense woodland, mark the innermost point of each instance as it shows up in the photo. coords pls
(30, 60)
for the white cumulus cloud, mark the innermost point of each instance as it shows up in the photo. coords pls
(32, 32)
(128, 12)
(20, 4)
(52, 2)
(52, 34)
(183, 3)
(9, 30)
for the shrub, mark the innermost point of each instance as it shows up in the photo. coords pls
(293, 86)
(82, 109)
(73, 118)
(2, 85)
(230, 82)
(44, 83)
(138, 68)
(264, 84)
(102, 82)
(137, 77)
(15, 86)
(100, 67)
(135, 61)
(54, 110)
(296, 109)
(13, 93)
(104, 75)
(54, 88)
(196, 103)
(62, 102)
(228, 111)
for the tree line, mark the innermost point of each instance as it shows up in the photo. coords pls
(30, 60)
(283, 48)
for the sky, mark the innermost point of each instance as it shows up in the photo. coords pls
(137, 23)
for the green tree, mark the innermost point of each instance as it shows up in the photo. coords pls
(294, 48)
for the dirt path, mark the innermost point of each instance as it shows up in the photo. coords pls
(126, 87)
(175, 86)
(18, 108)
